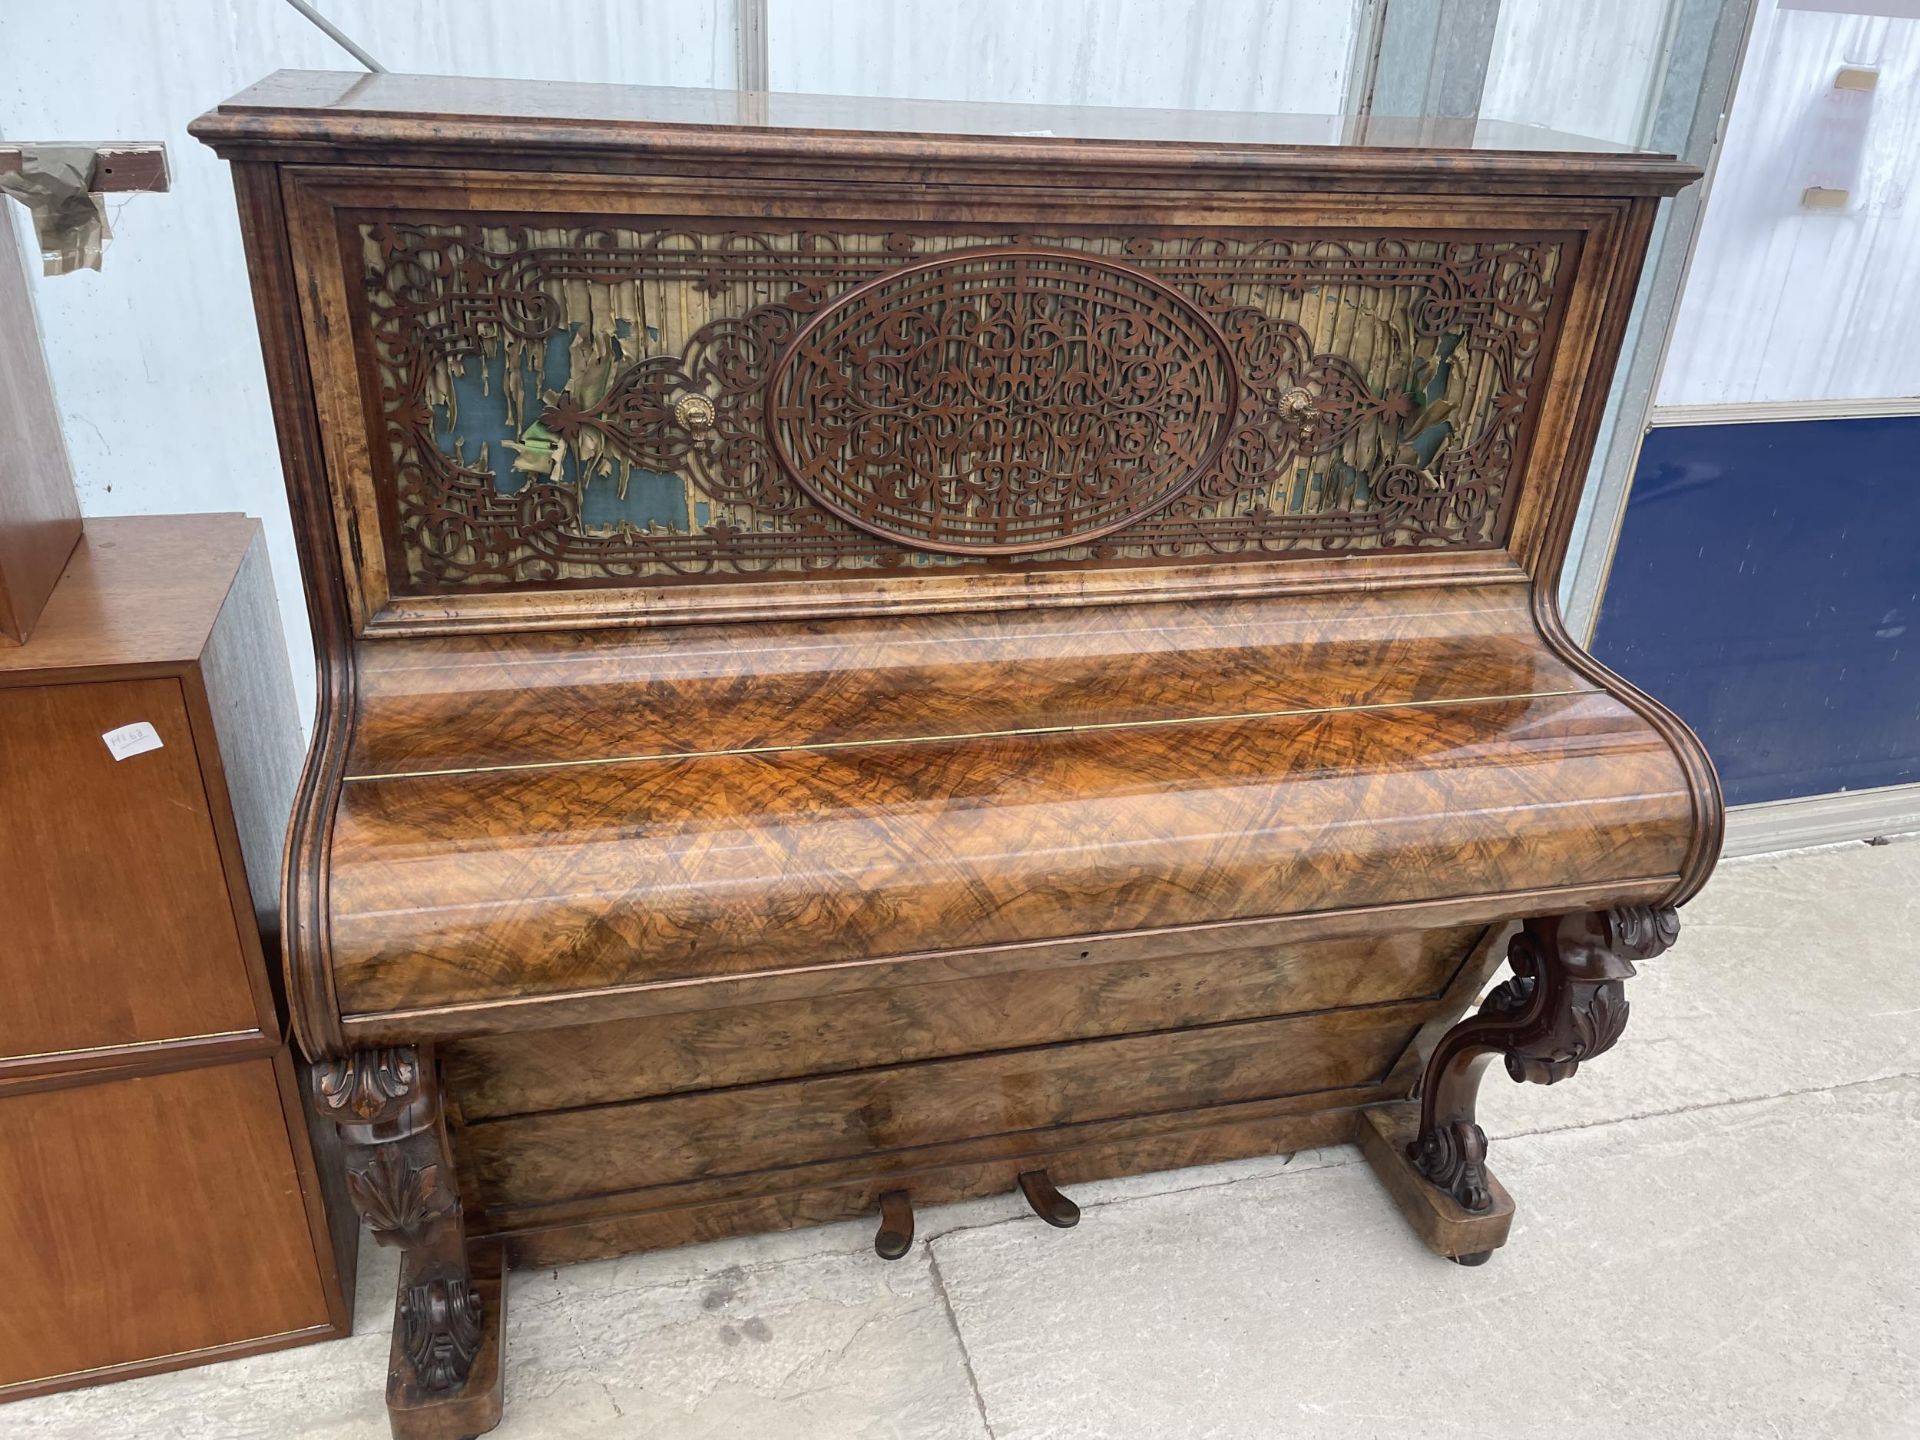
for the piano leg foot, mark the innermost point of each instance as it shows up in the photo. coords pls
(1385, 1136)
(1048, 1203)
(1565, 1003)
(473, 1406)
(444, 1371)
(895, 1235)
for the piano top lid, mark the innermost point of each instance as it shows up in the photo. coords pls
(437, 119)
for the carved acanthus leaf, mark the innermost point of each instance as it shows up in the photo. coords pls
(1508, 998)
(368, 1085)
(1598, 1023)
(395, 1198)
(1565, 1003)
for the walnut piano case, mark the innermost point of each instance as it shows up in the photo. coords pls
(863, 669)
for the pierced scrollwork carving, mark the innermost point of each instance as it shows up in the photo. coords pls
(1364, 393)
(440, 1325)
(1002, 401)
(1565, 1003)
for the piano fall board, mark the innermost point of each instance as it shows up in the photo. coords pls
(871, 655)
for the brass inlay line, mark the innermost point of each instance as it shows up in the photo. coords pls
(883, 740)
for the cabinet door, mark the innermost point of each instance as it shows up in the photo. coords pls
(148, 1218)
(118, 925)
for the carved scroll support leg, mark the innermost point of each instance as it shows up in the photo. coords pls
(444, 1376)
(1565, 1003)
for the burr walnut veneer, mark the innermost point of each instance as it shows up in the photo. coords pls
(866, 668)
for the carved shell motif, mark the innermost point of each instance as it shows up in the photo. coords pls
(1002, 401)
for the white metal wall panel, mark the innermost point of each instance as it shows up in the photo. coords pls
(1265, 55)
(154, 359)
(1576, 66)
(1785, 305)
(687, 42)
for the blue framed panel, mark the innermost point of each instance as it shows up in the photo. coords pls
(1767, 588)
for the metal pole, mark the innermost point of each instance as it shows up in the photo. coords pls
(333, 32)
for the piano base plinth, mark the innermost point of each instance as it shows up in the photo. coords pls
(1443, 1224)
(475, 1405)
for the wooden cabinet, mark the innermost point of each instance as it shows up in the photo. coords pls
(156, 1218)
(160, 1200)
(113, 868)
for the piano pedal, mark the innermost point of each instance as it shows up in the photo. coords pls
(1048, 1203)
(895, 1235)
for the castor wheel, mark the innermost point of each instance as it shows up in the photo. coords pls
(1478, 1257)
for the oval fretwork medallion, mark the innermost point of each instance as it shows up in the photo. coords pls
(1002, 401)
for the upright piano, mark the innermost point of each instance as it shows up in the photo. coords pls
(876, 652)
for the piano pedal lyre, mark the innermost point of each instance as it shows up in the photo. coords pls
(894, 1238)
(1048, 1203)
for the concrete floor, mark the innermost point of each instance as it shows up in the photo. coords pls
(1718, 1234)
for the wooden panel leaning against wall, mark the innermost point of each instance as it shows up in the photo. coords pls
(164, 1199)
(39, 512)
(865, 668)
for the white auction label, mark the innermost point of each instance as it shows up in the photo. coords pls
(134, 739)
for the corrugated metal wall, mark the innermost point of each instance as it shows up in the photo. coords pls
(1785, 304)
(155, 359)
(1265, 55)
(1580, 67)
(1766, 583)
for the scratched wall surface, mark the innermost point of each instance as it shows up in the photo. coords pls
(1767, 589)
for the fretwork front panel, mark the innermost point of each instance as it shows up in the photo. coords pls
(603, 404)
